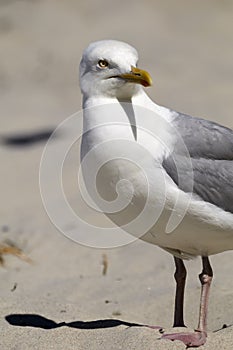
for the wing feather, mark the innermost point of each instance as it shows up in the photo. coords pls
(210, 146)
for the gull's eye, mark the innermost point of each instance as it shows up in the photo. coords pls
(103, 63)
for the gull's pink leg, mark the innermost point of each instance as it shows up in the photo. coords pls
(198, 337)
(205, 278)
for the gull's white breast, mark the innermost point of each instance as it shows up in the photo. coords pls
(122, 151)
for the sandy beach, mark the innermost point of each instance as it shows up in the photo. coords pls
(73, 296)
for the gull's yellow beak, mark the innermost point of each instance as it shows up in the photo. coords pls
(137, 76)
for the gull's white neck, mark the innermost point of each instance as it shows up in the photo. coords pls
(92, 104)
(139, 119)
(139, 99)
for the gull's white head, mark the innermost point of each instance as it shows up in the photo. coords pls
(108, 69)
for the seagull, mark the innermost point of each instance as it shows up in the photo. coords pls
(178, 167)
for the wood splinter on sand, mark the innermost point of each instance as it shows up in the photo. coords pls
(12, 250)
(105, 264)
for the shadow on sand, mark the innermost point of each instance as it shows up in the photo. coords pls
(37, 321)
(26, 139)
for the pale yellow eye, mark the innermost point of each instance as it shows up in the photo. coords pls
(103, 63)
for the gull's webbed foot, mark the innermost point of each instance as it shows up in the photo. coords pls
(194, 339)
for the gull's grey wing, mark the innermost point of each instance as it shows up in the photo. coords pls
(212, 179)
(204, 138)
(209, 170)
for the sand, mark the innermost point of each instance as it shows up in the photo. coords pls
(63, 300)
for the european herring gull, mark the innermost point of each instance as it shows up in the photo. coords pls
(176, 169)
